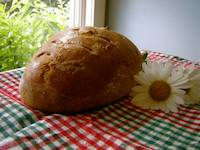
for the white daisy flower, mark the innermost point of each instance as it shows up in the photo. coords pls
(192, 95)
(160, 87)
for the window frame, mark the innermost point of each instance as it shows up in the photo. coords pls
(87, 13)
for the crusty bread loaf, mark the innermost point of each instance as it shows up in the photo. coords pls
(79, 69)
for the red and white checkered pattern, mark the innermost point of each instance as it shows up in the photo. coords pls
(119, 125)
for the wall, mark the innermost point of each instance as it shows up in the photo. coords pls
(169, 26)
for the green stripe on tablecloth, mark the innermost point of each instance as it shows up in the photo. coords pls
(182, 130)
(19, 73)
(166, 135)
(115, 117)
(39, 134)
(13, 117)
(28, 137)
(16, 73)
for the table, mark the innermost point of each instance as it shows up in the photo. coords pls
(119, 125)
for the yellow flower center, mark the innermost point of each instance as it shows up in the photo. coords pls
(159, 90)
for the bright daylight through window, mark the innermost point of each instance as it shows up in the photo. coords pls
(25, 25)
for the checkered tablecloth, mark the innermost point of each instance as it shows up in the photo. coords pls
(119, 125)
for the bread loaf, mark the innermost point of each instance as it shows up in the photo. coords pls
(80, 69)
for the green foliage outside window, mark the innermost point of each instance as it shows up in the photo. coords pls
(25, 26)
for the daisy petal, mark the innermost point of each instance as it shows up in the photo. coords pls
(160, 76)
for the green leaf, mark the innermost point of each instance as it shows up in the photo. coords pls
(24, 27)
(145, 54)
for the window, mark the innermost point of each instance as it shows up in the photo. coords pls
(87, 13)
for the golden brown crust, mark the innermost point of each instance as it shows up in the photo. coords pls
(79, 69)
